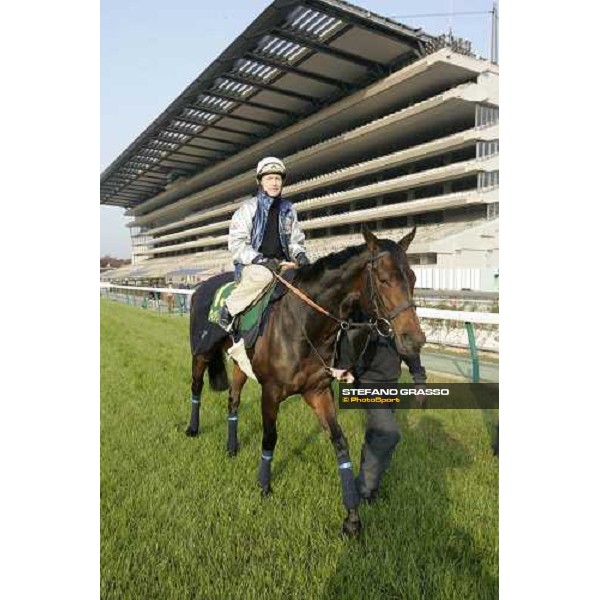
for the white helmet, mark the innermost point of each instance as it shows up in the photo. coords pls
(269, 165)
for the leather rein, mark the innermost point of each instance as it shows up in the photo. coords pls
(382, 324)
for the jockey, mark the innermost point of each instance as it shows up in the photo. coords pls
(264, 231)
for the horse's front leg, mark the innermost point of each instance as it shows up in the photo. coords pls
(235, 396)
(270, 407)
(323, 406)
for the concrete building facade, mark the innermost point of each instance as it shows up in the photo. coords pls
(417, 144)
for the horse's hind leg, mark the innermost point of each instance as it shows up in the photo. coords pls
(323, 406)
(199, 365)
(270, 409)
(235, 395)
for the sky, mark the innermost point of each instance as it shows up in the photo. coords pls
(151, 50)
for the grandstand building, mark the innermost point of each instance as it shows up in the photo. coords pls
(379, 124)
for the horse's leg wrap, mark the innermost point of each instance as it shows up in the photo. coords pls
(194, 425)
(232, 432)
(349, 492)
(264, 471)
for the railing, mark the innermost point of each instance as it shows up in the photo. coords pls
(175, 300)
(157, 299)
(469, 319)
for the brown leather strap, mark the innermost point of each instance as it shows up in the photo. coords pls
(305, 298)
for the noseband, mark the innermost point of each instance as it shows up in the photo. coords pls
(383, 319)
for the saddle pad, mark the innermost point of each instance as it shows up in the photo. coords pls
(250, 317)
(219, 298)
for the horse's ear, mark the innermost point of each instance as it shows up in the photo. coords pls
(370, 239)
(404, 243)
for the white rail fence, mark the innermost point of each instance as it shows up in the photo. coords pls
(444, 327)
(439, 278)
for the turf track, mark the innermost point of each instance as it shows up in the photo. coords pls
(181, 520)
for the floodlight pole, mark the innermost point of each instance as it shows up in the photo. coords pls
(494, 48)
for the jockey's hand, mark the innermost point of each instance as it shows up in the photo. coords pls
(302, 259)
(272, 264)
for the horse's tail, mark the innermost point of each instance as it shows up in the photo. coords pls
(217, 373)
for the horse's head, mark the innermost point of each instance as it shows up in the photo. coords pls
(387, 291)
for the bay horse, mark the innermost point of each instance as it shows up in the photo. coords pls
(298, 343)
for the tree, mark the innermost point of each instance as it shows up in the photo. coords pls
(110, 261)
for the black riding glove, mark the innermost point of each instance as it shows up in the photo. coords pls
(302, 260)
(271, 263)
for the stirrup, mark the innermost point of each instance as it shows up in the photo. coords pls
(225, 318)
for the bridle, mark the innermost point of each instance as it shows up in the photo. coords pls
(381, 324)
(383, 316)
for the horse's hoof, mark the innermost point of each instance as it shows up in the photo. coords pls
(191, 432)
(266, 492)
(232, 452)
(351, 529)
(370, 498)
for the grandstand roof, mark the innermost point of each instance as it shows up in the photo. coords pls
(295, 58)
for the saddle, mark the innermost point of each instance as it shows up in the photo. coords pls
(250, 323)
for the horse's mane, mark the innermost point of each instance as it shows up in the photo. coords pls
(331, 262)
(336, 260)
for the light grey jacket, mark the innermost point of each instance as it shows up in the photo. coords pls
(248, 225)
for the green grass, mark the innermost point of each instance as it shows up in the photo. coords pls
(181, 520)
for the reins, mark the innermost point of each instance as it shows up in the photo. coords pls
(310, 302)
(331, 367)
(344, 325)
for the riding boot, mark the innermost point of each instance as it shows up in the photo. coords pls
(225, 318)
